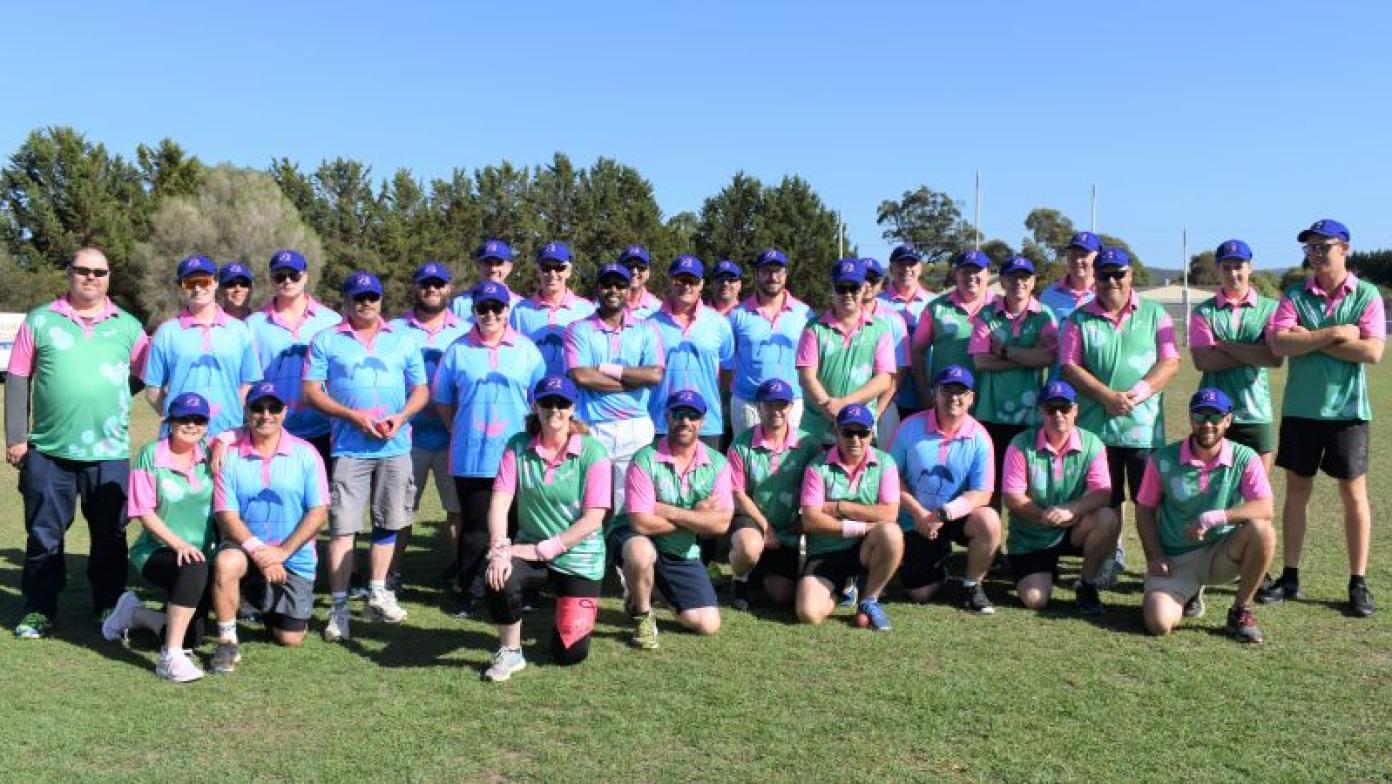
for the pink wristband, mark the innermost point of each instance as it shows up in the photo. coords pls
(1212, 519)
(612, 370)
(549, 549)
(1140, 392)
(853, 529)
(955, 509)
(251, 545)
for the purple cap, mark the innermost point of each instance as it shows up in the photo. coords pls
(361, 282)
(1325, 227)
(431, 270)
(553, 251)
(234, 270)
(954, 374)
(1209, 397)
(726, 269)
(614, 270)
(971, 258)
(1017, 264)
(1233, 249)
(873, 266)
(775, 389)
(905, 253)
(848, 271)
(771, 256)
(1112, 257)
(1085, 240)
(1058, 390)
(189, 404)
(490, 291)
(554, 386)
(195, 265)
(493, 249)
(635, 253)
(855, 414)
(288, 259)
(687, 398)
(261, 390)
(686, 264)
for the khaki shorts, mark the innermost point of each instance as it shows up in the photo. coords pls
(1208, 565)
(386, 483)
(422, 463)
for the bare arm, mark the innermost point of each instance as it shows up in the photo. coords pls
(1367, 351)
(650, 523)
(1211, 359)
(1149, 532)
(1298, 341)
(590, 378)
(703, 519)
(1253, 354)
(1161, 373)
(877, 385)
(155, 397)
(745, 505)
(881, 512)
(1086, 383)
(1020, 504)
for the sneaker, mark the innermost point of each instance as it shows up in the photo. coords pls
(177, 666)
(358, 593)
(849, 594)
(1195, 607)
(505, 662)
(873, 613)
(382, 606)
(1277, 591)
(118, 618)
(1111, 570)
(1360, 601)
(1089, 602)
(226, 655)
(645, 631)
(247, 613)
(33, 626)
(976, 601)
(394, 582)
(1242, 626)
(338, 626)
(739, 595)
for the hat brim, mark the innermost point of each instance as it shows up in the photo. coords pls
(1308, 233)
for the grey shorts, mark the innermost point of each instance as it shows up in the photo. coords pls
(287, 605)
(387, 482)
(424, 461)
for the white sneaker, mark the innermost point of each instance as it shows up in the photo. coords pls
(177, 666)
(337, 628)
(505, 662)
(382, 606)
(119, 619)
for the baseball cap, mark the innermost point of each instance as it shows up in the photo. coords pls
(848, 271)
(1058, 390)
(855, 414)
(635, 253)
(234, 270)
(490, 291)
(1233, 249)
(195, 265)
(553, 251)
(361, 282)
(431, 270)
(955, 374)
(1017, 264)
(971, 258)
(726, 269)
(189, 404)
(554, 386)
(686, 264)
(493, 249)
(771, 256)
(1112, 257)
(904, 253)
(1325, 227)
(687, 398)
(288, 259)
(873, 266)
(1085, 240)
(614, 270)
(261, 390)
(1209, 397)
(774, 389)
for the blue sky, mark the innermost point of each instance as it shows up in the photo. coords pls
(1239, 119)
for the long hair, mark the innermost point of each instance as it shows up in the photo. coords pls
(577, 428)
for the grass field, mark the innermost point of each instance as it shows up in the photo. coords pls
(944, 696)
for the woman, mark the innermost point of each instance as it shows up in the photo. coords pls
(171, 494)
(234, 290)
(560, 478)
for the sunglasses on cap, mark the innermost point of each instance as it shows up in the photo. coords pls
(274, 408)
(489, 308)
(198, 282)
(89, 272)
(281, 276)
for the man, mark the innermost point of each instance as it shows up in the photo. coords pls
(698, 342)
(544, 316)
(905, 293)
(368, 377)
(234, 289)
(641, 302)
(615, 361)
(493, 261)
(766, 327)
(766, 469)
(1013, 342)
(1075, 288)
(678, 490)
(1204, 515)
(946, 463)
(888, 419)
(281, 332)
(726, 281)
(202, 350)
(850, 499)
(1118, 352)
(269, 498)
(943, 332)
(73, 364)
(1331, 326)
(1057, 487)
(845, 356)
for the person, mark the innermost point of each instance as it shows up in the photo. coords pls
(850, 500)
(434, 327)
(1331, 325)
(493, 262)
(698, 342)
(1118, 351)
(678, 490)
(1204, 515)
(234, 289)
(72, 366)
(944, 330)
(558, 478)
(543, 317)
(615, 361)
(480, 390)
(946, 464)
(766, 328)
(201, 350)
(367, 376)
(270, 498)
(766, 467)
(1056, 487)
(1013, 343)
(171, 494)
(887, 420)
(641, 302)
(1077, 287)
(844, 357)
(281, 332)
(905, 293)
(726, 282)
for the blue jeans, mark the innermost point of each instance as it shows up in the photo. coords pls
(51, 487)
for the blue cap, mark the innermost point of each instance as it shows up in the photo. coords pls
(611, 269)
(1326, 227)
(1085, 240)
(774, 389)
(431, 270)
(873, 266)
(554, 386)
(905, 253)
(553, 251)
(1112, 257)
(635, 253)
(955, 374)
(288, 259)
(1208, 397)
(726, 269)
(686, 264)
(1233, 249)
(1058, 390)
(855, 414)
(771, 256)
(687, 398)
(1017, 264)
(234, 270)
(261, 390)
(361, 282)
(971, 258)
(195, 265)
(848, 271)
(493, 249)
(490, 291)
(189, 404)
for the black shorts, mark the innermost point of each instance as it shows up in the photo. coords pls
(1126, 464)
(683, 581)
(925, 560)
(1039, 561)
(782, 562)
(1257, 436)
(836, 568)
(1338, 447)
(1001, 436)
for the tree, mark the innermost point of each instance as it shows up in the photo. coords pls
(1203, 270)
(794, 219)
(1140, 276)
(928, 220)
(1374, 266)
(167, 171)
(1050, 233)
(998, 251)
(24, 288)
(1266, 283)
(729, 220)
(505, 214)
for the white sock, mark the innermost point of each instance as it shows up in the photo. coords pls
(227, 631)
(376, 585)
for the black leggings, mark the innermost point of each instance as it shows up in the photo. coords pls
(505, 606)
(475, 494)
(187, 586)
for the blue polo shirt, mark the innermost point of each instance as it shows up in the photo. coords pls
(214, 360)
(909, 308)
(272, 496)
(374, 377)
(591, 343)
(937, 469)
(545, 325)
(898, 333)
(428, 431)
(488, 387)
(695, 354)
(766, 348)
(282, 349)
(1063, 300)
(646, 306)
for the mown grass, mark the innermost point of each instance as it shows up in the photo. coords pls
(945, 696)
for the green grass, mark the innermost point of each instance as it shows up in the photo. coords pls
(945, 696)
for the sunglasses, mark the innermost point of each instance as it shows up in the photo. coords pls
(1113, 274)
(193, 284)
(489, 308)
(553, 269)
(727, 281)
(432, 283)
(636, 266)
(1057, 408)
(613, 283)
(873, 280)
(190, 420)
(1211, 418)
(855, 432)
(274, 409)
(953, 390)
(89, 272)
(685, 414)
(686, 280)
(1320, 248)
(283, 276)
(237, 283)
(554, 403)
(368, 297)
(848, 288)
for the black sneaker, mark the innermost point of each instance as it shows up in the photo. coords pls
(1089, 602)
(1242, 626)
(1361, 601)
(1195, 607)
(739, 595)
(976, 601)
(1277, 591)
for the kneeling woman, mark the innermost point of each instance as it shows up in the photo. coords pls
(561, 481)
(171, 494)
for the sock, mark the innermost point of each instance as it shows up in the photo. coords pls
(1356, 580)
(339, 598)
(968, 583)
(376, 585)
(740, 578)
(227, 631)
(1291, 575)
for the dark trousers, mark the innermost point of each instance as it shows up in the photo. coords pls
(187, 586)
(505, 606)
(51, 488)
(475, 495)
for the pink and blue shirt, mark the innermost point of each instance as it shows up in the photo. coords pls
(488, 386)
(591, 342)
(272, 495)
(545, 323)
(766, 343)
(373, 375)
(696, 350)
(282, 348)
(910, 308)
(215, 360)
(428, 431)
(939, 467)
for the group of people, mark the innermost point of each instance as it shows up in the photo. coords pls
(823, 454)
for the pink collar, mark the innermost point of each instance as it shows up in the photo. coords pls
(790, 440)
(220, 318)
(955, 297)
(312, 306)
(1062, 285)
(450, 320)
(695, 314)
(834, 456)
(664, 454)
(1225, 455)
(572, 447)
(1031, 306)
(895, 296)
(1350, 282)
(627, 320)
(568, 298)
(346, 326)
(164, 456)
(751, 303)
(242, 443)
(63, 306)
(1073, 444)
(1225, 301)
(475, 337)
(1095, 306)
(968, 429)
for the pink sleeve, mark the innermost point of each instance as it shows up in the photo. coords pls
(1013, 478)
(221, 500)
(1149, 494)
(813, 490)
(506, 480)
(139, 353)
(22, 354)
(1164, 339)
(1049, 335)
(1099, 474)
(980, 340)
(638, 490)
(1070, 345)
(736, 461)
(1284, 318)
(599, 485)
(807, 350)
(572, 349)
(1254, 485)
(884, 355)
(720, 491)
(1200, 332)
(889, 487)
(142, 498)
(657, 346)
(1373, 322)
(923, 332)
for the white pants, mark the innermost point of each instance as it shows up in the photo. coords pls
(887, 424)
(622, 438)
(744, 415)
